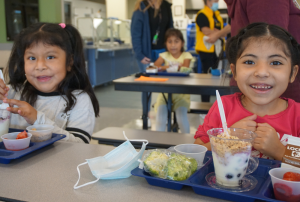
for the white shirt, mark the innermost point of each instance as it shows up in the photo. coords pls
(77, 124)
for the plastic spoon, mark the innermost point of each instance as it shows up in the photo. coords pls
(222, 113)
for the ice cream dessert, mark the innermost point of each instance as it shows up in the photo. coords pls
(230, 157)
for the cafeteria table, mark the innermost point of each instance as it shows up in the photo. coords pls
(114, 136)
(202, 84)
(49, 174)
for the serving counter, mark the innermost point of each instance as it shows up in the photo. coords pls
(107, 63)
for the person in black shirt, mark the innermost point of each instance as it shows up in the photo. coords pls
(209, 23)
(150, 21)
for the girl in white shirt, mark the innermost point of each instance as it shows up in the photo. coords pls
(49, 83)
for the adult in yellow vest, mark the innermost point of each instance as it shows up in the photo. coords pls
(209, 23)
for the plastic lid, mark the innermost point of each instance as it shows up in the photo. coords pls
(4, 105)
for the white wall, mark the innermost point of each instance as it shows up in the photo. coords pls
(117, 8)
(4, 56)
(198, 4)
(130, 6)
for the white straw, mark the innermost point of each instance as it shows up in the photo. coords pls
(1, 75)
(222, 113)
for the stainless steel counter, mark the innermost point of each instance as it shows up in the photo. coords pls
(106, 48)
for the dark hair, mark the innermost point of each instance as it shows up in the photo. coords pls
(174, 32)
(205, 2)
(237, 44)
(69, 40)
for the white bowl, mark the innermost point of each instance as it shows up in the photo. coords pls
(195, 151)
(42, 133)
(13, 144)
(283, 189)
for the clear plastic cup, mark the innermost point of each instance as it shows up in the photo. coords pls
(4, 122)
(232, 157)
(173, 67)
(40, 133)
(285, 190)
(192, 150)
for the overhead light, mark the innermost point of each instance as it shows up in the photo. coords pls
(97, 22)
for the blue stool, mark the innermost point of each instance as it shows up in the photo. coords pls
(199, 64)
(155, 54)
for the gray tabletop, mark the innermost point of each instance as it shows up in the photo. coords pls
(49, 174)
(114, 136)
(205, 84)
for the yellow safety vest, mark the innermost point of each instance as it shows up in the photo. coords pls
(199, 35)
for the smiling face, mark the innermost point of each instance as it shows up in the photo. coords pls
(45, 66)
(263, 71)
(174, 45)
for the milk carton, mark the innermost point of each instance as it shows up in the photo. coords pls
(291, 157)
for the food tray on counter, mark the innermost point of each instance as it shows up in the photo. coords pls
(263, 190)
(181, 74)
(6, 155)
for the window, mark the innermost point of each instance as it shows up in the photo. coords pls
(20, 14)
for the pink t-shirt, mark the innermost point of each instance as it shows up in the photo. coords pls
(285, 123)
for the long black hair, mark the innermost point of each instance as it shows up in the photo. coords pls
(174, 32)
(69, 40)
(255, 31)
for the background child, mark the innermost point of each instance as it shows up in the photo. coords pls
(49, 83)
(180, 102)
(264, 60)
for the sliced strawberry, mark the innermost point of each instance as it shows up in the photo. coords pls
(291, 176)
(22, 135)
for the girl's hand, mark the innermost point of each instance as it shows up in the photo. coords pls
(213, 37)
(247, 123)
(207, 145)
(3, 90)
(24, 109)
(267, 141)
(162, 68)
(179, 66)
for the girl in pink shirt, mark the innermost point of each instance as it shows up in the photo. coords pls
(263, 59)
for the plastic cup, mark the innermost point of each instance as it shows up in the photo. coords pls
(231, 157)
(173, 67)
(192, 150)
(4, 122)
(40, 133)
(13, 144)
(285, 190)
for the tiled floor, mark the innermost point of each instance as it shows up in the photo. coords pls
(124, 109)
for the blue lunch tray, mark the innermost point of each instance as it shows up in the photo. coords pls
(6, 155)
(262, 191)
(181, 74)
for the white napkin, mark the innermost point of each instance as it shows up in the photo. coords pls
(218, 45)
(207, 45)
